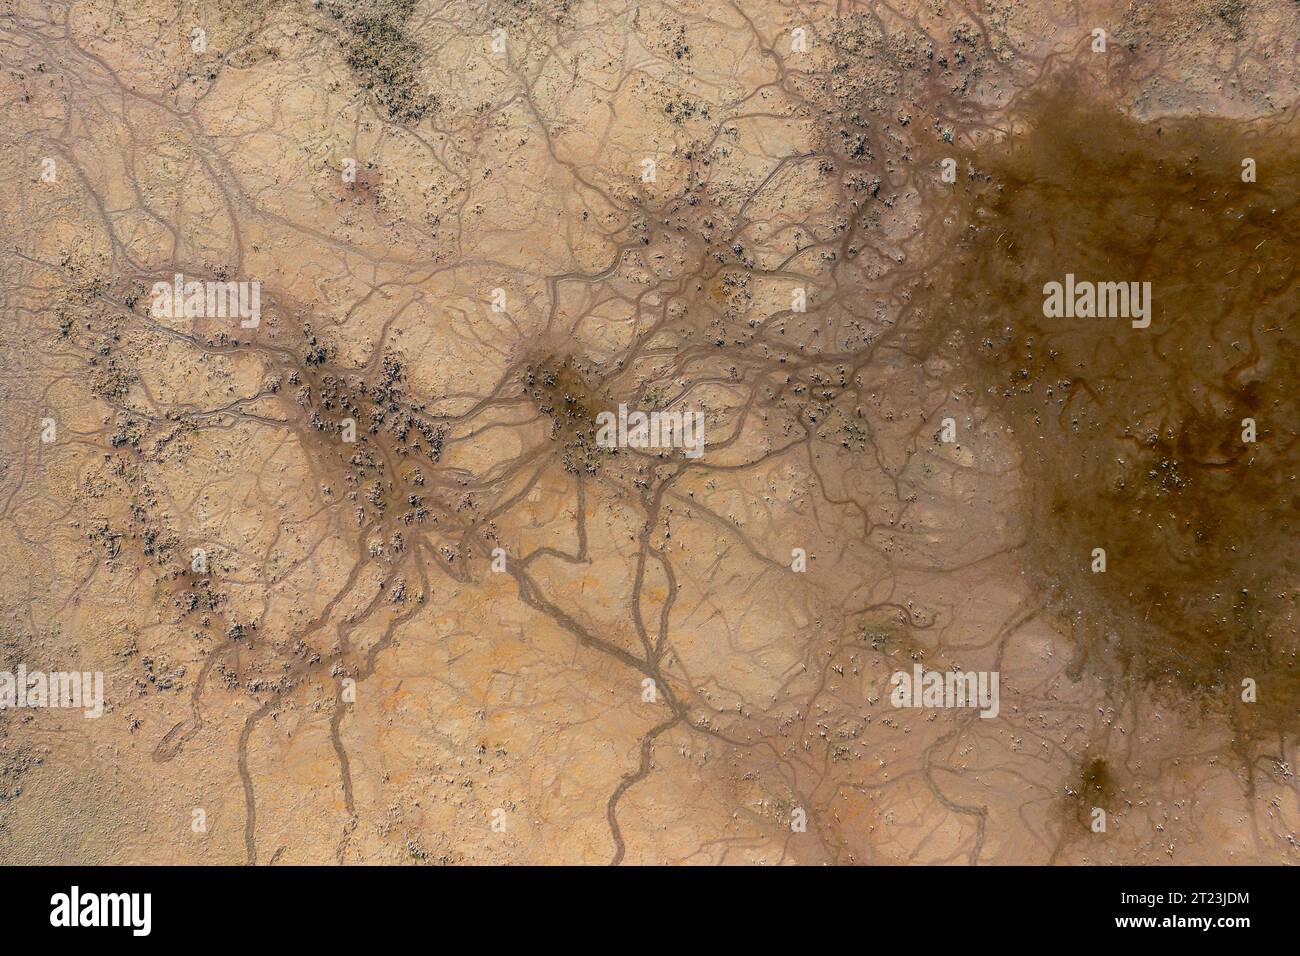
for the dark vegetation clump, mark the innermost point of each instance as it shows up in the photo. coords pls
(379, 50)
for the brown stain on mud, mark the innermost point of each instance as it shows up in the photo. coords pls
(1131, 439)
(1094, 788)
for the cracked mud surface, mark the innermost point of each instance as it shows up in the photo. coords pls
(432, 619)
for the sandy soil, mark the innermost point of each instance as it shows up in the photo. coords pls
(364, 585)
